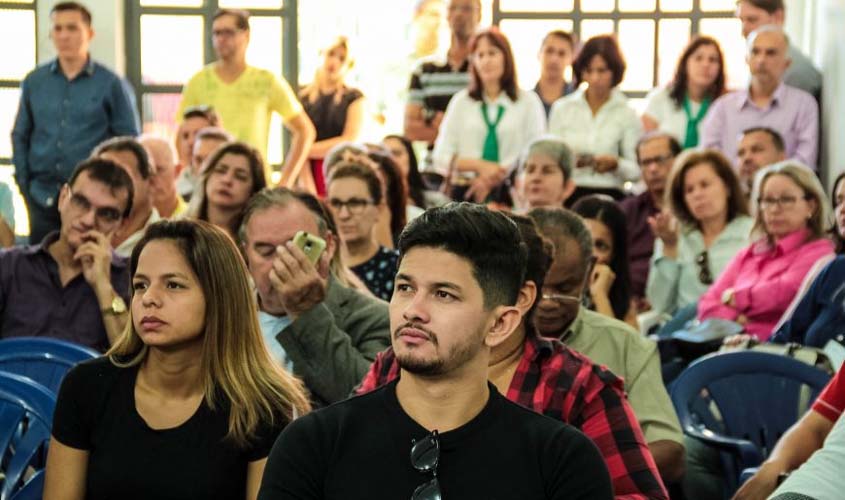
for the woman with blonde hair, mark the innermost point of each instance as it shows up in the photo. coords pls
(233, 173)
(760, 282)
(188, 402)
(336, 110)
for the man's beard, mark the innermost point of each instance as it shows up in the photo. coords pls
(457, 356)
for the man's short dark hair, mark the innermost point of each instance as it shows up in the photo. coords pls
(487, 239)
(71, 6)
(674, 145)
(770, 6)
(777, 139)
(241, 17)
(109, 173)
(130, 144)
(563, 35)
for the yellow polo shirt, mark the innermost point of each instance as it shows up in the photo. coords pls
(245, 105)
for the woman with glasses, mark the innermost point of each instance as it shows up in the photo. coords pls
(760, 282)
(354, 197)
(610, 279)
(188, 402)
(234, 173)
(705, 226)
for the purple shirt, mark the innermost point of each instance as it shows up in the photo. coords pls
(792, 112)
(34, 304)
(640, 238)
(765, 279)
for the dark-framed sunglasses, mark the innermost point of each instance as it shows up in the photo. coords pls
(704, 274)
(425, 456)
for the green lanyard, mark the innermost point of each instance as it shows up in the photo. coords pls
(491, 142)
(691, 137)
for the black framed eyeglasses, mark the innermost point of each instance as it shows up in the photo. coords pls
(704, 274)
(425, 456)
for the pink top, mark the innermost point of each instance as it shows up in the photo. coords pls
(765, 279)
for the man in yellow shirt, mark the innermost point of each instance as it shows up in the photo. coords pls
(245, 97)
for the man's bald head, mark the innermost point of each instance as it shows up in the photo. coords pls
(160, 150)
(768, 56)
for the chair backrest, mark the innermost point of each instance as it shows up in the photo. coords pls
(26, 415)
(752, 397)
(44, 360)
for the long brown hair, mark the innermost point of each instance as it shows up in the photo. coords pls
(508, 80)
(236, 367)
(678, 89)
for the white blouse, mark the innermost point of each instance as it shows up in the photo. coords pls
(463, 129)
(670, 117)
(614, 130)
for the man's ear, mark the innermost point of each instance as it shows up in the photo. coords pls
(527, 296)
(331, 245)
(506, 319)
(64, 192)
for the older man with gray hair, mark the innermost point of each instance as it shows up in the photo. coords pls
(767, 102)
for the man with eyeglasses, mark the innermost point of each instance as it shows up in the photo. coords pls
(67, 107)
(314, 324)
(246, 97)
(131, 156)
(656, 154)
(442, 430)
(605, 340)
(71, 285)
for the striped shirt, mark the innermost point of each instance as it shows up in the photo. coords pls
(434, 82)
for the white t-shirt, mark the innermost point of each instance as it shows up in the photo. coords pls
(671, 118)
(463, 129)
(614, 131)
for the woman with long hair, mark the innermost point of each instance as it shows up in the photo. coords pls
(486, 125)
(188, 402)
(419, 195)
(680, 107)
(598, 122)
(336, 110)
(234, 172)
(610, 279)
(761, 281)
(705, 226)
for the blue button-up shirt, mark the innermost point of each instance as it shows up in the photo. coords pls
(60, 121)
(33, 302)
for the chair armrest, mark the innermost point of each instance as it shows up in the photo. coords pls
(748, 453)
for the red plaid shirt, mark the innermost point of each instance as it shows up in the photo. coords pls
(560, 383)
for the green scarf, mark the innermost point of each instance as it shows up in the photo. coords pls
(491, 142)
(691, 138)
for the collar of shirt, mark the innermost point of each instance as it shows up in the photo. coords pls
(777, 97)
(574, 328)
(785, 245)
(616, 98)
(88, 70)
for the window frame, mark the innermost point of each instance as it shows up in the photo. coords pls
(695, 16)
(134, 10)
(13, 83)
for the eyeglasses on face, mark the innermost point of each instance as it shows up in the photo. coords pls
(425, 457)
(104, 216)
(704, 274)
(225, 33)
(561, 298)
(355, 205)
(784, 202)
(659, 160)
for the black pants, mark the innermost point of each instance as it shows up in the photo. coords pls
(42, 220)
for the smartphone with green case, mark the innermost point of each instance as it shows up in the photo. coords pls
(312, 246)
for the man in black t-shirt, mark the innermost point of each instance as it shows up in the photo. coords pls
(441, 430)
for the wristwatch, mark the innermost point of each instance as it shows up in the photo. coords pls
(118, 306)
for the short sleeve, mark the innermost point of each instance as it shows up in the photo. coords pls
(72, 424)
(283, 100)
(831, 402)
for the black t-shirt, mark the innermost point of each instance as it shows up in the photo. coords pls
(360, 449)
(127, 459)
(328, 115)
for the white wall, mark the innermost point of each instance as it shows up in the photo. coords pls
(108, 46)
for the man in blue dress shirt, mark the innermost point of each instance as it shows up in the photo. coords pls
(68, 106)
